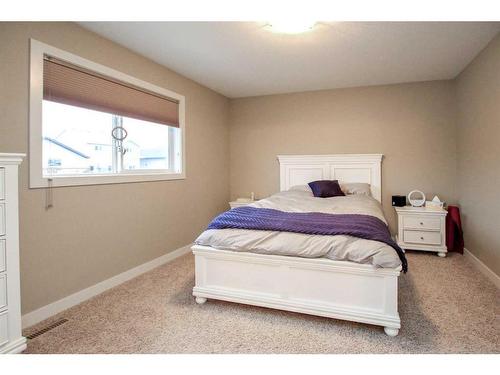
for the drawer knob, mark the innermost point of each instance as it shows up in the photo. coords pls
(421, 238)
(421, 223)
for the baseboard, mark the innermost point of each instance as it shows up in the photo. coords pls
(56, 307)
(483, 268)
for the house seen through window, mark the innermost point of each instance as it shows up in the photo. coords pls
(80, 141)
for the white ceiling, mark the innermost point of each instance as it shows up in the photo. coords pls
(239, 59)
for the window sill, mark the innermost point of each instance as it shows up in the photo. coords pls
(60, 181)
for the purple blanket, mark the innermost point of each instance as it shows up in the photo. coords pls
(360, 226)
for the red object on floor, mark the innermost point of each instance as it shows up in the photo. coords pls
(454, 232)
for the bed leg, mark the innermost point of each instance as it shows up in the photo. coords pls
(200, 300)
(389, 331)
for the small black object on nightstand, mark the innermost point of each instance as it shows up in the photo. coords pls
(399, 200)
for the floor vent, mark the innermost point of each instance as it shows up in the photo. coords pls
(57, 323)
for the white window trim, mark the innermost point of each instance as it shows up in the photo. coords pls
(37, 180)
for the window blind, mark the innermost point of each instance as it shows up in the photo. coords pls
(69, 84)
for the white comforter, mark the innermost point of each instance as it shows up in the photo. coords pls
(305, 245)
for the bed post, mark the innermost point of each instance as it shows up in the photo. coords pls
(200, 300)
(391, 331)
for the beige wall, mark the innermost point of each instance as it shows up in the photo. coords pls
(413, 125)
(95, 232)
(478, 154)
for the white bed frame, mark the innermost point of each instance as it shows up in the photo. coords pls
(334, 289)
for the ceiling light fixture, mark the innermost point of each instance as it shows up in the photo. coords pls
(291, 26)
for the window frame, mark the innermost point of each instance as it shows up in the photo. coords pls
(37, 179)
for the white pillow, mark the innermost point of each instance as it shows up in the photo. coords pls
(358, 188)
(300, 188)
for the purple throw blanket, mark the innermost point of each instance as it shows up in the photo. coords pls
(360, 226)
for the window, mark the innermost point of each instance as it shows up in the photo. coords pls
(90, 124)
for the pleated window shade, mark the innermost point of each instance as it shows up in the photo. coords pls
(69, 84)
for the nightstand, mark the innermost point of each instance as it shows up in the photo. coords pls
(422, 229)
(241, 202)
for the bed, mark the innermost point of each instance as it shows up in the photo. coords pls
(320, 286)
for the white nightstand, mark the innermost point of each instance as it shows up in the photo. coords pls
(422, 229)
(241, 203)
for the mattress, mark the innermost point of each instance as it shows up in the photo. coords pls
(339, 247)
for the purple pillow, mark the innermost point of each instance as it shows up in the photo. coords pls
(326, 189)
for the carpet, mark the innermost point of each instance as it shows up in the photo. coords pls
(446, 306)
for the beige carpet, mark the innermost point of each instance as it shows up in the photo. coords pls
(446, 306)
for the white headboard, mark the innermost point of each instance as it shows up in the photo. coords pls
(302, 169)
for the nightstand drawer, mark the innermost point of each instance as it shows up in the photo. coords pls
(4, 328)
(422, 222)
(3, 291)
(421, 237)
(2, 219)
(2, 183)
(3, 259)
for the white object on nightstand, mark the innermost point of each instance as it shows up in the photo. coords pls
(240, 202)
(416, 202)
(11, 339)
(422, 229)
(434, 204)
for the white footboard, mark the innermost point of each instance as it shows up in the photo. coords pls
(334, 289)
